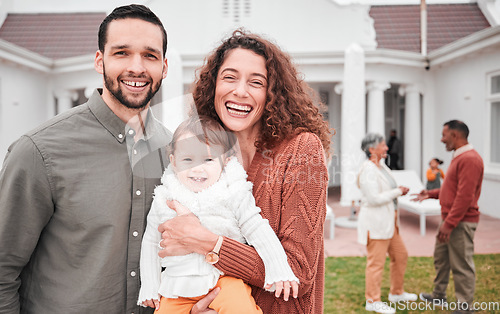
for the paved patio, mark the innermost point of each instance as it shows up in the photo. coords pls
(486, 240)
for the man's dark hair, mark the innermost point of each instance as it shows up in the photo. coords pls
(133, 11)
(459, 126)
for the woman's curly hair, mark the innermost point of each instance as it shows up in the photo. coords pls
(289, 108)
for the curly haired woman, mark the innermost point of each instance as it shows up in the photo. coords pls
(252, 88)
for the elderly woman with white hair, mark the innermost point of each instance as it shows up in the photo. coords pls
(378, 226)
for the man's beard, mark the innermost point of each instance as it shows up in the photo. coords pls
(117, 92)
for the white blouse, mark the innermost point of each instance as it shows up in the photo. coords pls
(377, 210)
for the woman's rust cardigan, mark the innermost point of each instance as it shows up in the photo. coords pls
(290, 184)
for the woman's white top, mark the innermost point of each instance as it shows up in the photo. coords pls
(226, 208)
(377, 210)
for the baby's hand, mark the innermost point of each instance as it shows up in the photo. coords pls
(285, 287)
(154, 303)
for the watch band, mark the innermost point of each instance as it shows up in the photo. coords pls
(218, 245)
(212, 257)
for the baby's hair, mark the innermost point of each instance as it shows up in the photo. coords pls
(439, 161)
(208, 131)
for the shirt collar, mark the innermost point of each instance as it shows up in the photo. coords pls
(462, 150)
(106, 116)
(150, 125)
(113, 123)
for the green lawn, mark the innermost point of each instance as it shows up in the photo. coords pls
(345, 283)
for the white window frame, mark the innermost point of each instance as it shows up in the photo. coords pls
(491, 166)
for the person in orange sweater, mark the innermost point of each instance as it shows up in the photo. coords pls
(252, 88)
(434, 174)
(458, 197)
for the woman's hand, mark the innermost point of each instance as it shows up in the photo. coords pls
(202, 305)
(285, 287)
(184, 234)
(404, 190)
(178, 207)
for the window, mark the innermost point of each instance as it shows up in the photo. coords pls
(493, 98)
(495, 84)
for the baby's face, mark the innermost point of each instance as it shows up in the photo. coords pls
(196, 164)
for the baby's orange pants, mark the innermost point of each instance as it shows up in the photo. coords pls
(234, 297)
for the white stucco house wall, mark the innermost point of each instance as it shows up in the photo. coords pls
(366, 84)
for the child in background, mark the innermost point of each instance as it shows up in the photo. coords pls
(434, 174)
(205, 177)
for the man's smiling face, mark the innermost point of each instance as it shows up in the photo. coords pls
(132, 63)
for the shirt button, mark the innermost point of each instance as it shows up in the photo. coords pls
(135, 151)
(131, 132)
(135, 233)
(138, 192)
(132, 273)
(120, 135)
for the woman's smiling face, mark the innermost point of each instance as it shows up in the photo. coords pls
(241, 90)
(380, 150)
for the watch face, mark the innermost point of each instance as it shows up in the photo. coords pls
(211, 258)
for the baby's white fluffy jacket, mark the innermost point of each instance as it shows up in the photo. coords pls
(226, 208)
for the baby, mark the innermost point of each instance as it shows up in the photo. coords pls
(206, 177)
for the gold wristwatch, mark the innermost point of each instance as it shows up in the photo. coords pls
(213, 256)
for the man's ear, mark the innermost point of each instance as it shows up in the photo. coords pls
(165, 68)
(98, 63)
(454, 134)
